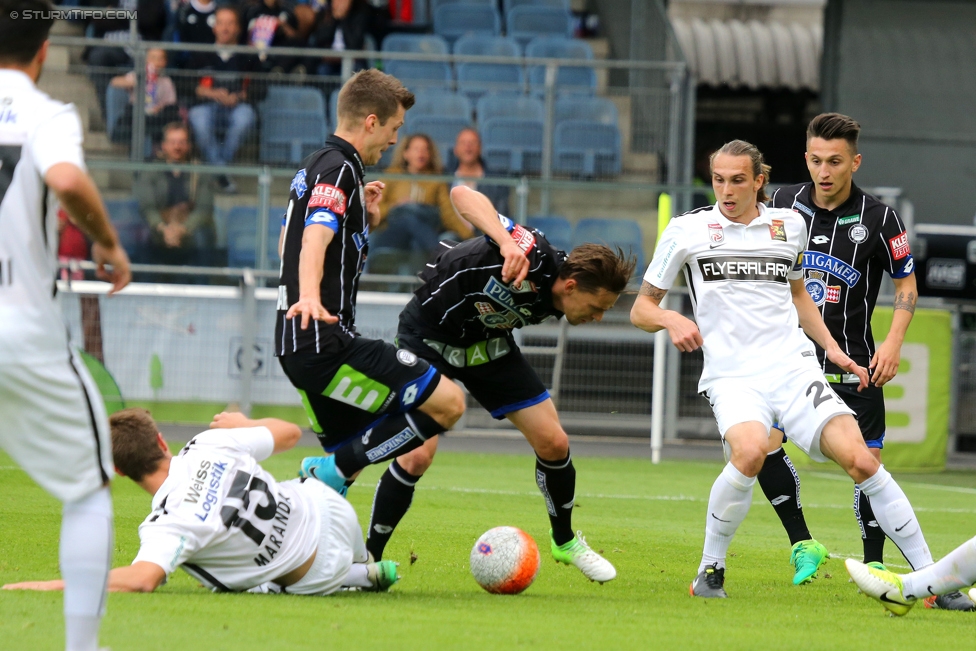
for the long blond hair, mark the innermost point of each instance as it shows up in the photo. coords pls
(743, 148)
(433, 166)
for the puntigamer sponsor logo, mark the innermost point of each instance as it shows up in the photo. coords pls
(717, 268)
(830, 264)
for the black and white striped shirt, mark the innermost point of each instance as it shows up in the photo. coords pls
(847, 250)
(327, 191)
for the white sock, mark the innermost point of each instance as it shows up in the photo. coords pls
(728, 505)
(86, 557)
(956, 570)
(896, 517)
(357, 577)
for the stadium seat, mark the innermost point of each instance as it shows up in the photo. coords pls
(441, 103)
(485, 45)
(476, 79)
(530, 21)
(592, 109)
(558, 4)
(624, 233)
(512, 145)
(510, 106)
(242, 241)
(293, 98)
(133, 237)
(288, 136)
(123, 211)
(557, 230)
(417, 43)
(421, 73)
(569, 79)
(452, 21)
(583, 148)
(442, 130)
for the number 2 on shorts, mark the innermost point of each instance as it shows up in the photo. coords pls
(820, 398)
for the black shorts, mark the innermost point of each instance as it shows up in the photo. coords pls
(869, 410)
(493, 371)
(355, 383)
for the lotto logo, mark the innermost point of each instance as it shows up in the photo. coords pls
(899, 246)
(523, 238)
(328, 197)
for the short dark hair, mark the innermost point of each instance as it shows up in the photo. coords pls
(176, 126)
(21, 38)
(134, 443)
(372, 92)
(831, 126)
(596, 266)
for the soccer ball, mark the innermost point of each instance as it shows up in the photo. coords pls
(505, 560)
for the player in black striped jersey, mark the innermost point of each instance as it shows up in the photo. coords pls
(853, 239)
(386, 401)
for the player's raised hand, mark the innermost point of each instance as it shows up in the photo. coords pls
(230, 420)
(837, 356)
(373, 192)
(884, 364)
(516, 265)
(310, 309)
(120, 275)
(684, 333)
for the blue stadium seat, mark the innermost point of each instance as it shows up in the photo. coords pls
(421, 73)
(557, 230)
(441, 103)
(486, 45)
(242, 219)
(442, 130)
(418, 43)
(558, 4)
(527, 22)
(512, 145)
(288, 136)
(294, 98)
(123, 211)
(506, 105)
(583, 148)
(624, 233)
(434, 4)
(242, 241)
(452, 21)
(592, 109)
(572, 79)
(476, 79)
(133, 237)
(333, 103)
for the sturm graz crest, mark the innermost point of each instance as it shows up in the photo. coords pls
(816, 287)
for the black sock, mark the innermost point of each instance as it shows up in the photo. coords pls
(386, 439)
(781, 485)
(394, 493)
(557, 481)
(871, 534)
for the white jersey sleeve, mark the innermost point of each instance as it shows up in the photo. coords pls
(669, 256)
(257, 442)
(796, 273)
(59, 141)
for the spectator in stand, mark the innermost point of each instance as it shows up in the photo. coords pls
(417, 214)
(72, 246)
(223, 96)
(160, 99)
(150, 23)
(177, 206)
(344, 25)
(272, 23)
(194, 24)
(467, 150)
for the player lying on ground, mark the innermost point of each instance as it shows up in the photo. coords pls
(460, 321)
(742, 262)
(898, 592)
(227, 522)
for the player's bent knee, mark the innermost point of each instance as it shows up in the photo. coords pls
(416, 462)
(749, 459)
(553, 447)
(446, 404)
(862, 465)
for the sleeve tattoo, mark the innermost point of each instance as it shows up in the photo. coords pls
(647, 289)
(904, 301)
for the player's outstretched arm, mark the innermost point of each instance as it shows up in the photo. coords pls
(478, 209)
(79, 197)
(286, 435)
(815, 328)
(648, 315)
(888, 356)
(138, 577)
(311, 266)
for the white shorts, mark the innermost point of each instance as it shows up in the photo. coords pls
(797, 397)
(340, 543)
(53, 424)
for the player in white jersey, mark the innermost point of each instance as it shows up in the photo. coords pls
(227, 522)
(742, 264)
(53, 419)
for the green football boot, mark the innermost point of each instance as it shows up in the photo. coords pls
(807, 557)
(881, 585)
(577, 552)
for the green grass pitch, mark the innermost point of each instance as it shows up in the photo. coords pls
(647, 520)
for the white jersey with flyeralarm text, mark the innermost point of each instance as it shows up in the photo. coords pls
(36, 132)
(226, 520)
(738, 277)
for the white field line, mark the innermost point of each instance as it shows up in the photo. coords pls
(935, 487)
